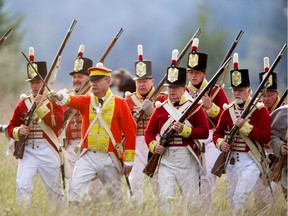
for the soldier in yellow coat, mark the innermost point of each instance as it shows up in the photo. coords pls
(105, 117)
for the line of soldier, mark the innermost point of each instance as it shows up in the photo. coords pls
(103, 119)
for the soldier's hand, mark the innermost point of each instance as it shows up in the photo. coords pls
(127, 170)
(159, 149)
(239, 122)
(37, 99)
(178, 127)
(147, 106)
(207, 102)
(225, 147)
(54, 96)
(24, 130)
(283, 149)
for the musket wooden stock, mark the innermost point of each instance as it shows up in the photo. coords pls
(161, 83)
(154, 160)
(5, 36)
(218, 168)
(276, 173)
(20, 145)
(228, 54)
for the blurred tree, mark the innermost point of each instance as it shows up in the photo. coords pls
(11, 70)
(212, 40)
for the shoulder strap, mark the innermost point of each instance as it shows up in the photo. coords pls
(136, 100)
(175, 115)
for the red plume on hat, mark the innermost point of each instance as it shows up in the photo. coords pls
(140, 52)
(195, 45)
(235, 61)
(81, 50)
(174, 58)
(31, 54)
(266, 64)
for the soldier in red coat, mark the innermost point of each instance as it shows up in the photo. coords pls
(41, 154)
(139, 102)
(213, 106)
(73, 126)
(180, 164)
(245, 163)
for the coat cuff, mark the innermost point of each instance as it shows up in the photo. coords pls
(186, 131)
(152, 146)
(42, 111)
(213, 111)
(129, 155)
(16, 133)
(218, 143)
(246, 129)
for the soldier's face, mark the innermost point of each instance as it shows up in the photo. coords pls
(269, 98)
(144, 86)
(78, 80)
(35, 86)
(99, 87)
(241, 94)
(195, 76)
(175, 93)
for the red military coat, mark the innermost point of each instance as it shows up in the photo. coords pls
(20, 113)
(200, 128)
(261, 130)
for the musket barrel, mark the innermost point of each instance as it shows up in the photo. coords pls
(161, 83)
(5, 36)
(110, 46)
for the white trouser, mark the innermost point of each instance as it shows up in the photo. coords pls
(178, 166)
(39, 158)
(242, 178)
(96, 186)
(136, 176)
(95, 164)
(70, 150)
(208, 180)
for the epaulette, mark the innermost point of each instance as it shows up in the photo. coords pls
(128, 93)
(158, 104)
(227, 106)
(260, 105)
(24, 97)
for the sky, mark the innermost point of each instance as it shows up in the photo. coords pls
(158, 25)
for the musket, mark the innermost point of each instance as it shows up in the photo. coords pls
(160, 85)
(5, 36)
(229, 53)
(85, 88)
(219, 166)
(110, 46)
(20, 145)
(154, 160)
(276, 172)
(282, 99)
